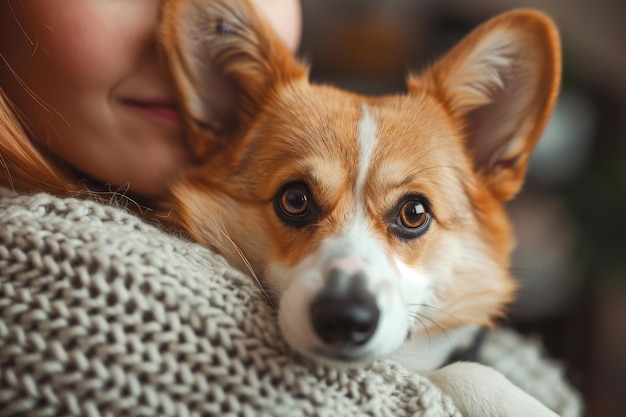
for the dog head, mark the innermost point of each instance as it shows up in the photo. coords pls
(365, 219)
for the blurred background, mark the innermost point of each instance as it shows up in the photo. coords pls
(571, 216)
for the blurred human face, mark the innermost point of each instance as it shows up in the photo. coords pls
(88, 80)
(85, 75)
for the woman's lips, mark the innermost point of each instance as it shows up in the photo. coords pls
(160, 110)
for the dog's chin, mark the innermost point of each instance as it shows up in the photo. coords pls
(340, 359)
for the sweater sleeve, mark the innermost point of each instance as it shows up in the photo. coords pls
(102, 314)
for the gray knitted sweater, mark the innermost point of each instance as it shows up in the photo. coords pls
(102, 314)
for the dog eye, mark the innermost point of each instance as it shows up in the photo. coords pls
(295, 200)
(294, 205)
(413, 214)
(411, 217)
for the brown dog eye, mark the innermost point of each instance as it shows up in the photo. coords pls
(294, 205)
(411, 217)
(413, 214)
(294, 201)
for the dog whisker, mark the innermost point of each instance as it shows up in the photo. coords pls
(460, 322)
(222, 229)
(443, 329)
(425, 328)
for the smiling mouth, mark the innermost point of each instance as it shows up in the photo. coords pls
(160, 110)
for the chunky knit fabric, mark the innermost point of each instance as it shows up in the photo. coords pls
(102, 314)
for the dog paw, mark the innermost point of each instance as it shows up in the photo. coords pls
(480, 391)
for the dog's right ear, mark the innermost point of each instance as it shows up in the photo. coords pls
(224, 58)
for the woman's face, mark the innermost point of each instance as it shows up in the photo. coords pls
(86, 76)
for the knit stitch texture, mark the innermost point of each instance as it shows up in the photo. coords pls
(102, 314)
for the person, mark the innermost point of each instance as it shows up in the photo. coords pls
(84, 101)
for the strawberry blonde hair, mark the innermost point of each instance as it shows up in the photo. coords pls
(23, 166)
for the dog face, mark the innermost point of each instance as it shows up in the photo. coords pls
(365, 219)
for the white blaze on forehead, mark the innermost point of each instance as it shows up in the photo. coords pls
(366, 137)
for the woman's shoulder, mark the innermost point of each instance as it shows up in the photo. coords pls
(46, 222)
(42, 207)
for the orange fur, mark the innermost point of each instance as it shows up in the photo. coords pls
(461, 137)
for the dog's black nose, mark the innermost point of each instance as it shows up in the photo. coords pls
(344, 313)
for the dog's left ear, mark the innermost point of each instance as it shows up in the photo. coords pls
(500, 84)
(224, 59)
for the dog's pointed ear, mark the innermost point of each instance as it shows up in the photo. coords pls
(224, 59)
(500, 84)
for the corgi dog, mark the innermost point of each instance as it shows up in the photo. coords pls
(369, 221)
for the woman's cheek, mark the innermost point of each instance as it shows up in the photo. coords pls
(79, 43)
